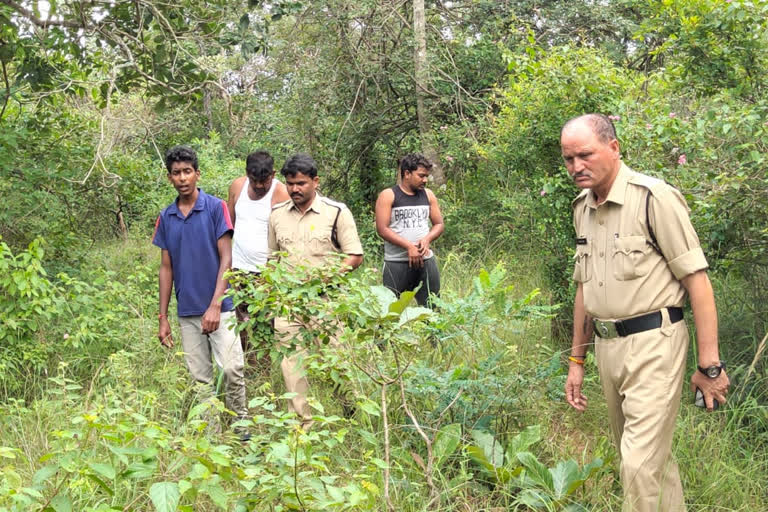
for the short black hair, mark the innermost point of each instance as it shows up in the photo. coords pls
(180, 154)
(299, 163)
(413, 161)
(259, 165)
(601, 125)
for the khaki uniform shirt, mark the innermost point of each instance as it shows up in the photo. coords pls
(621, 273)
(307, 237)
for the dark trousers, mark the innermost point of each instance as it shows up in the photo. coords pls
(399, 277)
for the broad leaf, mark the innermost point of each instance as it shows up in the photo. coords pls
(165, 496)
(536, 471)
(563, 475)
(446, 442)
(400, 304)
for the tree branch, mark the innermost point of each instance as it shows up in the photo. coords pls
(37, 21)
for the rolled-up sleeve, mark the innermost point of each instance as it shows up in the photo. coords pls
(675, 234)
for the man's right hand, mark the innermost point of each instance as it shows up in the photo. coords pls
(164, 333)
(573, 383)
(415, 258)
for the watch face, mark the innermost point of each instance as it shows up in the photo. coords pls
(713, 372)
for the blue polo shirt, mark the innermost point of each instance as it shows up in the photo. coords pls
(191, 242)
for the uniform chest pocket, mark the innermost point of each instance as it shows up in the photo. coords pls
(631, 257)
(320, 242)
(583, 262)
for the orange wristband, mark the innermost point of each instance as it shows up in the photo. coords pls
(577, 361)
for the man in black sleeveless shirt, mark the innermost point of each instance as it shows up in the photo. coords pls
(403, 216)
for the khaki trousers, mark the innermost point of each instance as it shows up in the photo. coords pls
(642, 378)
(227, 352)
(292, 368)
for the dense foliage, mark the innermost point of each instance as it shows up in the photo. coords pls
(95, 417)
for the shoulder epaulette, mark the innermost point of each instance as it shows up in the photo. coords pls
(331, 202)
(654, 185)
(281, 204)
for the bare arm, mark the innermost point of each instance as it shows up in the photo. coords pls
(436, 218)
(212, 315)
(280, 194)
(582, 334)
(234, 192)
(383, 213)
(352, 261)
(705, 317)
(165, 280)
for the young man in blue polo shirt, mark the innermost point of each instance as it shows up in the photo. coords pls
(194, 234)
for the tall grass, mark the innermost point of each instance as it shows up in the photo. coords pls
(723, 455)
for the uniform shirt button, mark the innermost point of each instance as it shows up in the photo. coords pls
(602, 254)
(600, 283)
(601, 222)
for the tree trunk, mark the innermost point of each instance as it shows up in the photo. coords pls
(422, 73)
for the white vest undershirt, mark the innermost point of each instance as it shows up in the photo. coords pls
(249, 243)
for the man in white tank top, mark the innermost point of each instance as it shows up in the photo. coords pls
(250, 201)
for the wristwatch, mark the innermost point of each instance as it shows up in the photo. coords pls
(713, 371)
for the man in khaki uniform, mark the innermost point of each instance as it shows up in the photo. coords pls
(309, 228)
(637, 255)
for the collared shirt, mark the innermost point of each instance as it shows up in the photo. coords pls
(306, 237)
(621, 273)
(192, 242)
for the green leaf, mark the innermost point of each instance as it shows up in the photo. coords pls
(563, 475)
(370, 407)
(523, 440)
(412, 314)
(536, 471)
(165, 496)
(490, 446)
(105, 470)
(43, 474)
(400, 304)
(384, 296)
(218, 495)
(61, 503)
(446, 442)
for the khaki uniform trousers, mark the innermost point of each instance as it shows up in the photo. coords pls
(292, 368)
(227, 352)
(642, 377)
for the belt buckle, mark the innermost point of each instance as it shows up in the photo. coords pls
(606, 330)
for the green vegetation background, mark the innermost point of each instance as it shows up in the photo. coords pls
(97, 417)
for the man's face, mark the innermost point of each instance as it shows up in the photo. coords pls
(301, 188)
(417, 179)
(591, 163)
(260, 188)
(183, 177)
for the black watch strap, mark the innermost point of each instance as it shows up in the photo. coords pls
(713, 371)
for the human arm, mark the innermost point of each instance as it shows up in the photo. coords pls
(349, 240)
(165, 280)
(280, 194)
(705, 317)
(436, 219)
(582, 333)
(383, 214)
(212, 315)
(234, 192)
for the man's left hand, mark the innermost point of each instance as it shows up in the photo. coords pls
(211, 319)
(712, 389)
(423, 246)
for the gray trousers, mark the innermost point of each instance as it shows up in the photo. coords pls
(399, 277)
(227, 352)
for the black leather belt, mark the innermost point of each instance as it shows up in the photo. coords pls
(620, 328)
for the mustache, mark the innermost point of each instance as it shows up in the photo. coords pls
(581, 175)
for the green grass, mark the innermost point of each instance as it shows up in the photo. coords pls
(142, 397)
